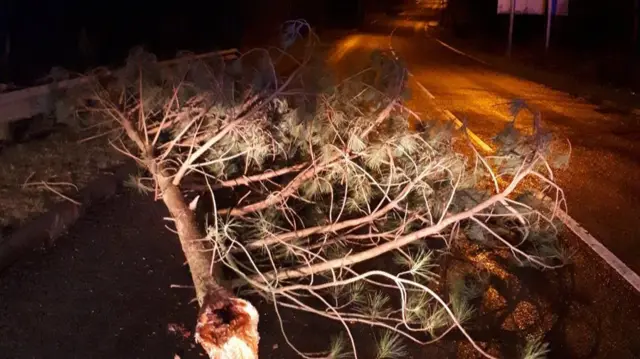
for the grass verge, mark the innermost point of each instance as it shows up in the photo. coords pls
(36, 174)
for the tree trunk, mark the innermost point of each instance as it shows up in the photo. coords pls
(227, 326)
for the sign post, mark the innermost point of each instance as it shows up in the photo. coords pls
(551, 4)
(532, 7)
(518, 7)
(512, 15)
(554, 8)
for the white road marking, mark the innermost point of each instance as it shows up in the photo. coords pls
(474, 138)
(614, 262)
(424, 89)
(460, 52)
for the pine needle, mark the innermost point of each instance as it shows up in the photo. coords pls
(390, 346)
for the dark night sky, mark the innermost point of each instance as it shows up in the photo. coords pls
(46, 32)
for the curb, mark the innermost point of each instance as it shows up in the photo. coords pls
(43, 230)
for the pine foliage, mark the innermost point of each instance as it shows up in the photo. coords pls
(362, 182)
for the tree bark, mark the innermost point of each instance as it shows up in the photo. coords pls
(227, 326)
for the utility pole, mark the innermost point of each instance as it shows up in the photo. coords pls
(512, 16)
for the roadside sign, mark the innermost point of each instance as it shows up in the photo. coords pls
(524, 7)
(554, 8)
(532, 7)
(559, 7)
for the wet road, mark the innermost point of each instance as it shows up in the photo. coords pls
(601, 183)
(596, 314)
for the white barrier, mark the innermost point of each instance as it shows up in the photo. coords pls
(26, 103)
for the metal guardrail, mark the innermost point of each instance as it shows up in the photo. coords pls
(26, 103)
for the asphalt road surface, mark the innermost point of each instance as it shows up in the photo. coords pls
(601, 183)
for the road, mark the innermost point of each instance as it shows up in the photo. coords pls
(600, 186)
(600, 183)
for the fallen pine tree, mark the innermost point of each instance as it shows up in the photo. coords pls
(325, 176)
